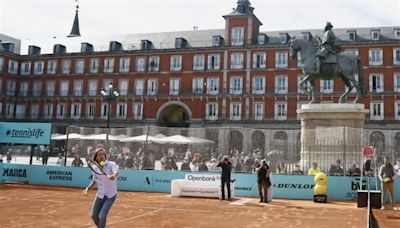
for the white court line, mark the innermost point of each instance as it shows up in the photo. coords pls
(127, 219)
(240, 202)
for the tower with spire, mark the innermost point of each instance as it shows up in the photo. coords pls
(75, 27)
(241, 25)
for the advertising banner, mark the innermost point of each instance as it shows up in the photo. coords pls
(25, 133)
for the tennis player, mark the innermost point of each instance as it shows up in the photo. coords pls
(106, 187)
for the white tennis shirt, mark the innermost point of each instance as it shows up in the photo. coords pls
(105, 186)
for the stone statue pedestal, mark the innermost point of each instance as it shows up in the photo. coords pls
(331, 132)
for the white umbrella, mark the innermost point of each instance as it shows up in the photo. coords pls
(200, 140)
(101, 137)
(70, 136)
(140, 138)
(175, 139)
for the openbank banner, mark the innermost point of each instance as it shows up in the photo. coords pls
(25, 133)
(284, 186)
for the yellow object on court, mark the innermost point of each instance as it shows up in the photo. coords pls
(320, 181)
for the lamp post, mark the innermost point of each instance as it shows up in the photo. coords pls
(109, 94)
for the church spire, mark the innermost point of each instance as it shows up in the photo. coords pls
(75, 27)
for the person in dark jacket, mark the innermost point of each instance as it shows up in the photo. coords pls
(263, 180)
(226, 167)
(387, 176)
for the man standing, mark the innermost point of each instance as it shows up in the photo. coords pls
(263, 180)
(387, 175)
(226, 167)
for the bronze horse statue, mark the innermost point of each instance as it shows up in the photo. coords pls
(344, 67)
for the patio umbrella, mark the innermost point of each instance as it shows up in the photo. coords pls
(70, 136)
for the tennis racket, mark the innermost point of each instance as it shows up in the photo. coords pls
(96, 168)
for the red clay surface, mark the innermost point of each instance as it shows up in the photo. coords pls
(39, 206)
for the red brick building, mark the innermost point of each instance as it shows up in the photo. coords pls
(235, 76)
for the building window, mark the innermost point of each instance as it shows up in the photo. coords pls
(326, 86)
(75, 111)
(61, 110)
(12, 66)
(176, 63)
(20, 111)
(174, 86)
(213, 86)
(50, 88)
(351, 35)
(48, 111)
(108, 65)
(283, 38)
(258, 111)
(121, 110)
(397, 82)
(90, 111)
(94, 66)
(124, 65)
(34, 111)
(139, 87)
(211, 111)
(198, 62)
(123, 87)
(154, 63)
(281, 59)
(10, 111)
(375, 57)
(197, 85)
(79, 66)
(138, 111)
(376, 110)
(25, 68)
(1, 64)
(78, 87)
(236, 111)
(376, 83)
(92, 88)
(51, 67)
(281, 111)
(396, 33)
(237, 61)
(37, 88)
(353, 51)
(396, 56)
(281, 85)
(213, 62)
(236, 85)
(64, 87)
(11, 85)
(38, 68)
(237, 36)
(152, 87)
(397, 110)
(259, 85)
(104, 111)
(141, 64)
(259, 60)
(375, 34)
(23, 89)
(66, 64)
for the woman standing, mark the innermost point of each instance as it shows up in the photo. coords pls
(106, 188)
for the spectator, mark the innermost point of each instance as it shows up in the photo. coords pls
(335, 170)
(297, 170)
(314, 170)
(45, 156)
(203, 167)
(387, 175)
(281, 168)
(1, 158)
(60, 160)
(185, 165)
(213, 166)
(397, 168)
(226, 168)
(9, 156)
(129, 162)
(354, 170)
(148, 161)
(263, 180)
(77, 162)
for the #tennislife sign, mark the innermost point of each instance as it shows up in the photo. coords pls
(25, 133)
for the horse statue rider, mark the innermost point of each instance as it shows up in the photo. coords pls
(328, 46)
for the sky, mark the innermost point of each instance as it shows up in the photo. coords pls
(44, 19)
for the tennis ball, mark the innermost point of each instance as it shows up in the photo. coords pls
(387, 179)
(102, 163)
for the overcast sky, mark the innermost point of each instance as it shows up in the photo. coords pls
(44, 19)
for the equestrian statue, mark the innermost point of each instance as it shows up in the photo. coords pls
(323, 60)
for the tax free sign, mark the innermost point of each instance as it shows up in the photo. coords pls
(25, 133)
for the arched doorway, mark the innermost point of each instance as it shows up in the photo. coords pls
(258, 140)
(235, 138)
(279, 144)
(174, 114)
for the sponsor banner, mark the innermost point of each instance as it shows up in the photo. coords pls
(196, 179)
(25, 133)
(14, 173)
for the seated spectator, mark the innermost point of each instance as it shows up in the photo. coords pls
(203, 167)
(77, 162)
(281, 168)
(314, 170)
(185, 165)
(354, 171)
(213, 166)
(60, 160)
(297, 170)
(335, 170)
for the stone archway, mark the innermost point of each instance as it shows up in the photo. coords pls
(258, 140)
(377, 139)
(235, 138)
(174, 114)
(279, 144)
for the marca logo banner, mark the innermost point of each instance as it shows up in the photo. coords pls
(25, 133)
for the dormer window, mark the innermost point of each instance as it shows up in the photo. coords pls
(351, 35)
(180, 43)
(216, 41)
(261, 39)
(283, 38)
(237, 36)
(396, 34)
(306, 36)
(375, 35)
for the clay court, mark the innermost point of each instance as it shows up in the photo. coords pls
(39, 206)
